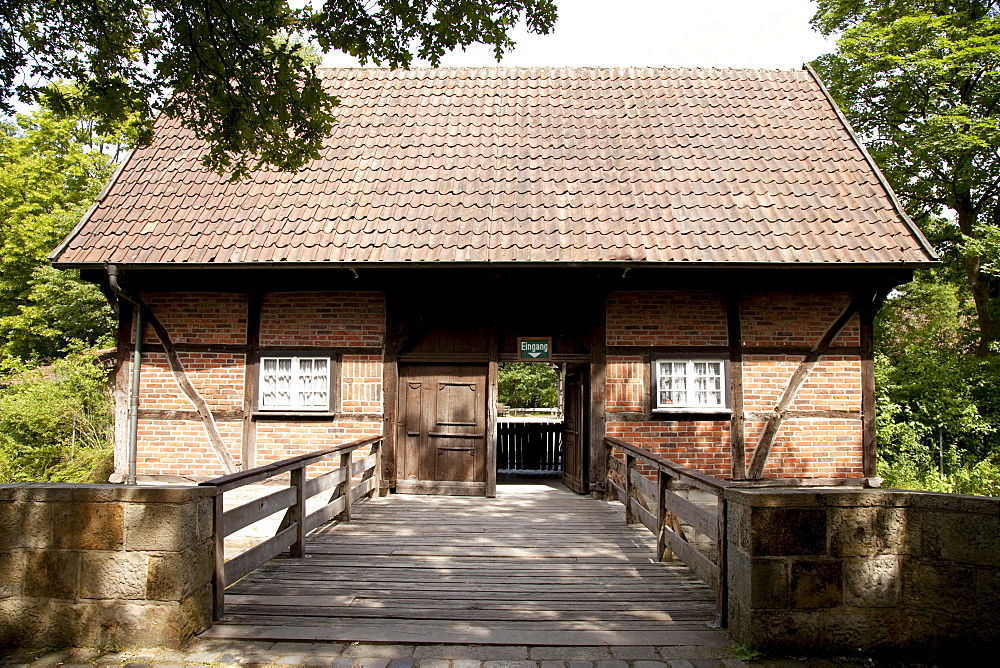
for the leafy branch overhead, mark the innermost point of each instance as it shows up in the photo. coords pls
(920, 80)
(227, 68)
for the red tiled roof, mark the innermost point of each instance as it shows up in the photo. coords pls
(525, 165)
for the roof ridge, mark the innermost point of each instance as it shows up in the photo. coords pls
(570, 68)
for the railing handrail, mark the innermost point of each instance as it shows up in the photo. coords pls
(297, 522)
(664, 510)
(250, 476)
(700, 480)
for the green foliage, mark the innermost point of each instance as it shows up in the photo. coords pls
(56, 422)
(528, 385)
(920, 81)
(935, 396)
(51, 169)
(225, 69)
(59, 311)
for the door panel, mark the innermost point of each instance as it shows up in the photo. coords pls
(575, 429)
(443, 429)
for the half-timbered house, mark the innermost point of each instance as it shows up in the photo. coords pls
(706, 250)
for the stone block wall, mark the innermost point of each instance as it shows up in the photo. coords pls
(875, 572)
(822, 435)
(101, 565)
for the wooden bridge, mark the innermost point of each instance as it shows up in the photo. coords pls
(537, 565)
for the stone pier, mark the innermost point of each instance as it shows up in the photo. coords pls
(104, 565)
(877, 572)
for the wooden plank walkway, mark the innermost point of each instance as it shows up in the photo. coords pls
(538, 565)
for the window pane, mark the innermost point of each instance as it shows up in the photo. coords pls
(313, 383)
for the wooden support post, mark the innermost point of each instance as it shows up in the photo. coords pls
(629, 467)
(722, 593)
(390, 397)
(248, 448)
(597, 416)
(218, 559)
(737, 439)
(662, 486)
(347, 487)
(492, 399)
(868, 436)
(298, 548)
(377, 469)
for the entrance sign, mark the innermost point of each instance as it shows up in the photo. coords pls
(534, 348)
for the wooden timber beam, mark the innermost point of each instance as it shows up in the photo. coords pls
(777, 416)
(248, 446)
(737, 432)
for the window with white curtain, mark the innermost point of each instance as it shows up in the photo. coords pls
(294, 383)
(694, 384)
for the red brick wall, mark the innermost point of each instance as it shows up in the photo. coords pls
(323, 319)
(288, 320)
(806, 446)
(677, 318)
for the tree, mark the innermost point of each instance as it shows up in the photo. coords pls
(528, 385)
(920, 81)
(51, 169)
(227, 68)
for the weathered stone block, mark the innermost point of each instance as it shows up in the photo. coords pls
(128, 624)
(195, 612)
(173, 576)
(970, 538)
(36, 525)
(11, 573)
(87, 526)
(872, 530)
(854, 631)
(759, 582)
(873, 582)
(205, 519)
(52, 574)
(738, 526)
(936, 586)
(11, 519)
(787, 531)
(160, 526)
(816, 583)
(113, 575)
(780, 630)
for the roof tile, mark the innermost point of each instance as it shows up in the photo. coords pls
(525, 165)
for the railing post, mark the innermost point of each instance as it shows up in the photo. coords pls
(377, 451)
(722, 595)
(663, 553)
(629, 467)
(345, 464)
(298, 515)
(218, 558)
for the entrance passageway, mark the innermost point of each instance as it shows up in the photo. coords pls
(537, 565)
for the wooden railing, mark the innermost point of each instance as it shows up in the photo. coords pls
(661, 510)
(530, 445)
(291, 533)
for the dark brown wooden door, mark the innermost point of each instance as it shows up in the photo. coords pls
(442, 429)
(575, 430)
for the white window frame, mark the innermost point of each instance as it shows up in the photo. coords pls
(296, 384)
(689, 404)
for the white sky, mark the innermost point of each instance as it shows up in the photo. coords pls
(772, 34)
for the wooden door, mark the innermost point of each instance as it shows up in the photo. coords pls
(442, 429)
(575, 429)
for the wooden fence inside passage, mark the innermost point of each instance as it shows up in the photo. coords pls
(529, 445)
(351, 482)
(661, 510)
